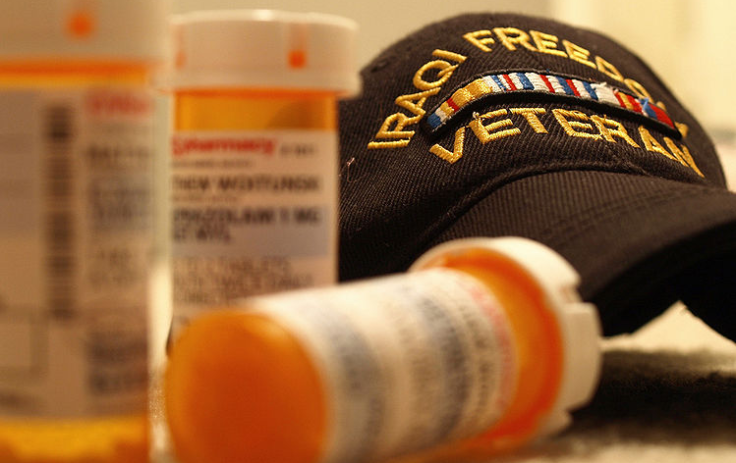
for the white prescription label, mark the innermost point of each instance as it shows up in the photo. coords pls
(407, 362)
(254, 212)
(75, 241)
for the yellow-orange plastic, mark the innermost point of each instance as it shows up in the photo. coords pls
(270, 386)
(54, 73)
(539, 356)
(117, 439)
(238, 382)
(244, 109)
(99, 439)
(223, 109)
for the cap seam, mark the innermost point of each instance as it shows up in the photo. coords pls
(460, 208)
(484, 190)
(566, 232)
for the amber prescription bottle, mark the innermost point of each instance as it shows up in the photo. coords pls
(76, 139)
(254, 152)
(484, 344)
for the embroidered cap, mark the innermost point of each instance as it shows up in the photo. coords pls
(507, 125)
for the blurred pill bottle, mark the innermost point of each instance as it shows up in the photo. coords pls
(76, 144)
(254, 152)
(482, 347)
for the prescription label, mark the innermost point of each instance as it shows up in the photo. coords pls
(253, 212)
(407, 362)
(75, 241)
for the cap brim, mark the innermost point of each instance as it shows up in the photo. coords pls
(639, 243)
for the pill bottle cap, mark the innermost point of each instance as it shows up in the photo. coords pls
(263, 49)
(578, 322)
(123, 30)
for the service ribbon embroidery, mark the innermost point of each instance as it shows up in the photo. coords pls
(492, 84)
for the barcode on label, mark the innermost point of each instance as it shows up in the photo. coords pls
(59, 191)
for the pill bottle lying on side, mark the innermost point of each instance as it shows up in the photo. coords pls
(483, 346)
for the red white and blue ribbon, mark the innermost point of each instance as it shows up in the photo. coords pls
(545, 83)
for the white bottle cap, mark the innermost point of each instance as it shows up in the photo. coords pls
(128, 30)
(578, 321)
(263, 49)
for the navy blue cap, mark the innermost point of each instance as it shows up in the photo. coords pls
(508, 125)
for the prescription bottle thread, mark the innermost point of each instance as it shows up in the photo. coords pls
(556, 342)
(76, 121)
(254, 153)
(466, 356)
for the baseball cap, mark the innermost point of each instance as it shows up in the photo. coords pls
(508, 125)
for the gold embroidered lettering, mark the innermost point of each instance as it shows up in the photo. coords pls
(448, 55)
(457, 149)
(491, 132)
(683, 155)
(388, 144)
(638, 89)
(530, 114)
(578, 121)
(609, 128)
(578, 53)
(682, 128)
(542, 42)
(546, 43)
(480, 39)
(608, 69)
(651, 143)
(415, 103)
(444, 72)
(393, 127)
(642, 92)
(511, 36)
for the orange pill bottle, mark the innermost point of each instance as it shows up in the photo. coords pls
(76, 144)
(254, 152)
(482, 347)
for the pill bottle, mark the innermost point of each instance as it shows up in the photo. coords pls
(76, 138)
(254, 152)
(483, 346)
